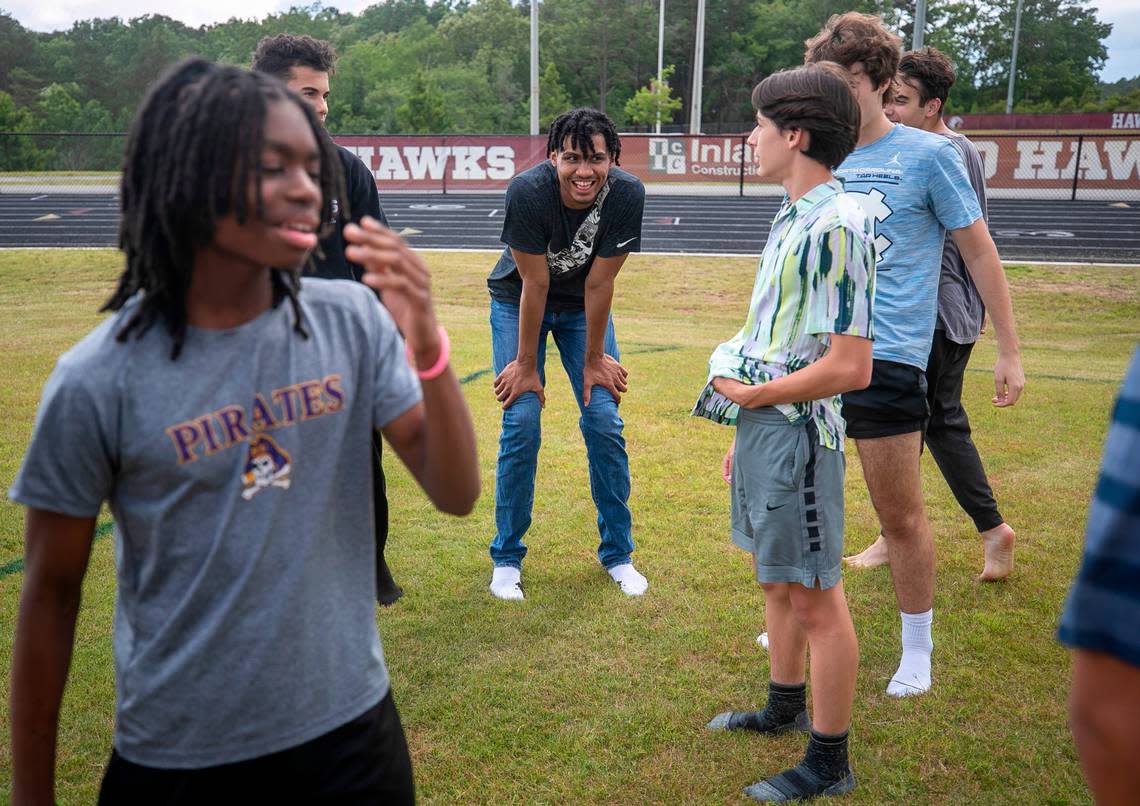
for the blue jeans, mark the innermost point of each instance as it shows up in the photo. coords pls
(601, 427)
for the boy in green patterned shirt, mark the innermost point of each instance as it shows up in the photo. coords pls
(807, 339)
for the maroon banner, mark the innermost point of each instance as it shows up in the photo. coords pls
(1061, 123)
(1014, 164)
(447, 163)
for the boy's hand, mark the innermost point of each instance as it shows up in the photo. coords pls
(394, 269)
(735, 391)
(1009, 380)
(516, 379)
(603, 371)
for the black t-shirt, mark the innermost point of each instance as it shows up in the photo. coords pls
(360, 190)
(537, 222)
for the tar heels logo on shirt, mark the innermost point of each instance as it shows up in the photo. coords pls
(872, 202)
(268, 466)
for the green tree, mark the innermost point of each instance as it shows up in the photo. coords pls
(653, 103)
(1060, 53)
(552, 97)
(17, 153)
(425, 110)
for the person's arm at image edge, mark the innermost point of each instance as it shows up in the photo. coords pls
(1103, 708)
(435, 439)
(56, 552)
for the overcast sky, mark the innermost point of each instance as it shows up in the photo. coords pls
(1123, 45)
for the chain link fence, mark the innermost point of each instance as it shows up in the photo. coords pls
(1059, 167)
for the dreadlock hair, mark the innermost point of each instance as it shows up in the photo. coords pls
(854, 37)
(580, 125)
(278, 55)
(932, 73)
(193, 157)
(818, 99)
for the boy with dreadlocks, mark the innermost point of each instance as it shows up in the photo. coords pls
(305, 65)
(229, 432)
(571, 221)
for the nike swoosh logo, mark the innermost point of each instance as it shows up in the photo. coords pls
(623, 243)
(770, 507)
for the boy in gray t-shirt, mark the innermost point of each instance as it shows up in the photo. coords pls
(924, 80)
(229, 433)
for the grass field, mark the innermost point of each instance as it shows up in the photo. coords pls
(579, 695)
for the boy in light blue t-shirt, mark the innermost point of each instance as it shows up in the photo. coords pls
(914, 187)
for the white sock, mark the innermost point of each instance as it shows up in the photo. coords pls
(506, 582)
(913, 675)
(632, 583)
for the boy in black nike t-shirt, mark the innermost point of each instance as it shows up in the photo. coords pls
(571, 221)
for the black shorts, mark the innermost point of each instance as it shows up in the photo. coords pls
(894, 403)
(364, 761)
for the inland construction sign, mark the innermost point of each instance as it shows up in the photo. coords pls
(1016, 163)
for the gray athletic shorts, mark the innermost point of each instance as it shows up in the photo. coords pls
(787, 499)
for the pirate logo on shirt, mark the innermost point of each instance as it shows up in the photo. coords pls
(268, 466)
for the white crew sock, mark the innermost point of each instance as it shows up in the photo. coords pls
(913, 675)
(632, 583)
(506, 582)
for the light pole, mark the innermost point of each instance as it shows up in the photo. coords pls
(919, 24)
(534, 67)
(660, 59)
(1013, 59)
(698, 71)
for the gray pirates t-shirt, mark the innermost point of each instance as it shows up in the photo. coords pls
(239, 479)
(537, 222)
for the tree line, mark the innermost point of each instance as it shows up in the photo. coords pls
(462, 66)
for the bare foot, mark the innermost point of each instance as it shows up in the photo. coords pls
(871, 557)
(998, 543)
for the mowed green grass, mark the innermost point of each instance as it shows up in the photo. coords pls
(580, 695)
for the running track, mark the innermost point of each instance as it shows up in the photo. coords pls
(1024, 229)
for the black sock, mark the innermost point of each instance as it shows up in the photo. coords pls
(785, 703)
(827, 755)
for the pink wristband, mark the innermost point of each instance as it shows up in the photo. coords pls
(436, 369)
